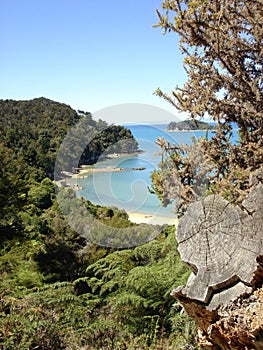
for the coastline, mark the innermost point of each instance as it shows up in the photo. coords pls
(185, 130)
(90, 169)
(85, 170)
(140, 218)
(71, 180)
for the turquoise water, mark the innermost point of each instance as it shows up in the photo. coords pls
(129, 189)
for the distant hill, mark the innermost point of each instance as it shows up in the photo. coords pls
(35, 129)
(189, 125)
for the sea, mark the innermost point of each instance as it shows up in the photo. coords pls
(131, 189)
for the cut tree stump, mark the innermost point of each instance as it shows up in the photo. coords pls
(221, 243)
(223, 246)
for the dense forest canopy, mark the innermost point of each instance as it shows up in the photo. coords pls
(57, 289)
(222, 44)
(35, 129)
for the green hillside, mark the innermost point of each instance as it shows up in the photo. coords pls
(189, 125)
(35, 129)
(57, 289)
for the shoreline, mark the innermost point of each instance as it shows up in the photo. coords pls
(85, 170)
(146, 218)
(90, 169)
(185, 130)
(135, 217)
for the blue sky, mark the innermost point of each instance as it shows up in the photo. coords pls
(86, 53)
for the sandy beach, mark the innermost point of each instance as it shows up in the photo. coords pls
(86, 170)
(90, 169)
(137, 218)
(140, 218)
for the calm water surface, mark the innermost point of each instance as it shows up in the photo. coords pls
(129, 189)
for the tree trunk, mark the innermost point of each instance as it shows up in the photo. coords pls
(223, 246)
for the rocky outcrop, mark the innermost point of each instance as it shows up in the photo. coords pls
(223, 246)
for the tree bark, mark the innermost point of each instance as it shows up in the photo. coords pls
(223, 246)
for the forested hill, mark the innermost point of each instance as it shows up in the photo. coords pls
(189, 125)
(34, 129)
(58, 289)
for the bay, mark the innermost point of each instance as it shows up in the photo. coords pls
(129, 190)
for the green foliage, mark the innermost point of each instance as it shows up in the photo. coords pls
(44, 317)
(35, 129)
(112, 216)
(58, 290)
(17, 268)
(12, 192)
(42, 195)
(135, 286)
(109, 139)
(60, 247)
(121, 302)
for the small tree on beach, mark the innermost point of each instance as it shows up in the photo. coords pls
(222, 46)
